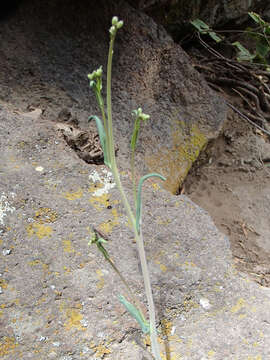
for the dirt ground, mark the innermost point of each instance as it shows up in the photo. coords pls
(231, 180)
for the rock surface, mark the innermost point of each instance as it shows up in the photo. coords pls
(58, 297)
(48, 49)
(175, 15)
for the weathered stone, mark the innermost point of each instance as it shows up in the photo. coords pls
(59, 296)
(149, 70)
(176, 14)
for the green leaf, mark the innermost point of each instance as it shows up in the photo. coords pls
(215, 37)
(243, 54)
(256, 17)
(136, 314)
(102, 138)
(267, 29)
(200, 25)
(203, 28)
(99, 241)
(262, 49)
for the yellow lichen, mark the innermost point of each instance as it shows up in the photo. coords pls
(67, 270)
(108, 225)
(45, 215)
(211, 353)
(188, 264)
(155, 186)
(163, 267)
(3, 284)
(101, 350)
(166, 327)
(7, 345)
(74, 318)
(100, 202)
(101, 281)
(175, 163)
(34, 262)
(67, 245)
(39, 230)
(241, 303)
(73, 195)
(163, 221)
(94, 187)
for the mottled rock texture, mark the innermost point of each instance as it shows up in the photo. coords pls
(173, 13)
(58, 296)
(48, 48)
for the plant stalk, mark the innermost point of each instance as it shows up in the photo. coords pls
(133, 178)
(138, 238)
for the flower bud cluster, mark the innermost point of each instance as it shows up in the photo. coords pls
(116, 24)
(139, 114)
(95, 76)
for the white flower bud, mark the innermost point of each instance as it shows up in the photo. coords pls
(99, 71)
(145, 117)
(119, 24)
(112, 30)
(114, 20)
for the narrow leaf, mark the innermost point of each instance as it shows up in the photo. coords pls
(102, 138)
(257, 18)
(136, 314)
(215, 37)
(243, 54)
(200, 25)
(203, 28)
(262, 49)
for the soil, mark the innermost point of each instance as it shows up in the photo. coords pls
(231, 180)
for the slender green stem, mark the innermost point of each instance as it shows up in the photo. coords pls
(109, 104)
(145, 272)
(101, 105)
(132, 161)
(138, 238)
